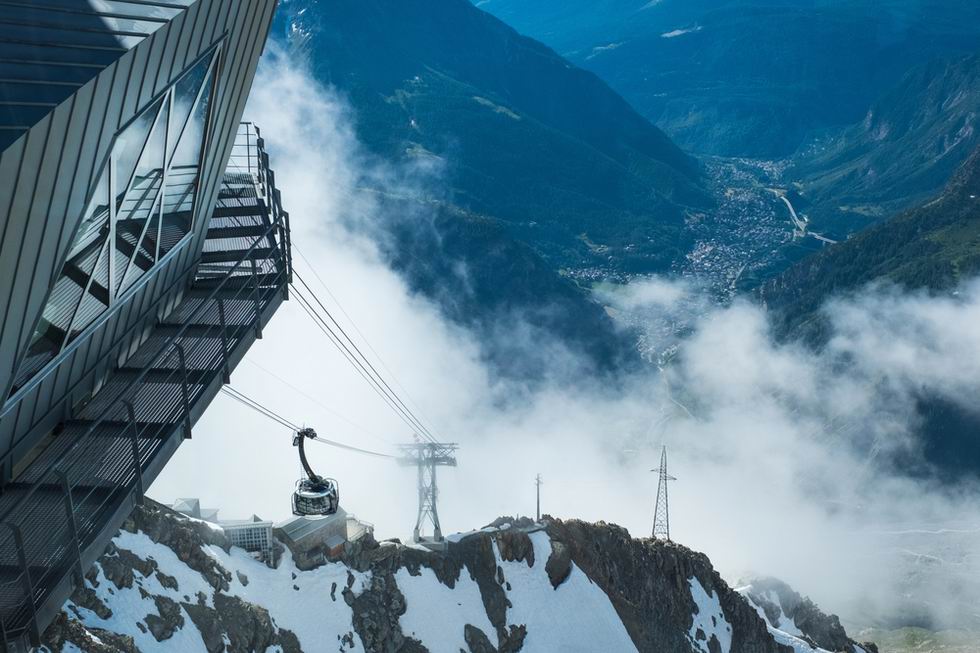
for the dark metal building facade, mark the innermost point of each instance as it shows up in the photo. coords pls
(135, 269)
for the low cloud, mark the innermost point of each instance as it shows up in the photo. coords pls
(779, 450)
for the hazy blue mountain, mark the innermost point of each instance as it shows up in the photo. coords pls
(546, 173)
(527, 138)
(748, 77)
(904, 150)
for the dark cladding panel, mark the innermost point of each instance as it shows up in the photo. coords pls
(13, 298)
(39, 237)
(85, 132)
(9, 165)
(71, 172)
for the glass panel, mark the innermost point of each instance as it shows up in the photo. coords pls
(139, 204)
(96, 216)
(147, 173)
(51, 332)
(186, 93)
(181, 186)
(143, 258)
(129, 146)
(95, 301)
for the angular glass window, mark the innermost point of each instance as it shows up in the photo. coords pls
(141, 207)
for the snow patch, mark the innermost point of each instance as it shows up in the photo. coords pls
(577, 617)
(599, 49)
(672, 34)
(436, 615)
(457, 537)
(783, 622)
(710, 619)
(798, 645)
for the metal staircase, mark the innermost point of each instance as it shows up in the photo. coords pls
(65, 504)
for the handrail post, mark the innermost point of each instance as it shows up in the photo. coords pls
(72, 524)
(184, 394)
(35, 631)
(225, 373)
(255, 300)
(3, 635)
(131, 412)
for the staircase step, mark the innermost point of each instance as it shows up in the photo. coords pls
(197, 330)
(163, 375)
(234, 255)
(244, 231)
(244, 281)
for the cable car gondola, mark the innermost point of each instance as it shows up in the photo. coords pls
(314, 495)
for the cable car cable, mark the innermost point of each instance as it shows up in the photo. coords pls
(259, 408)
(318, 321)
(319, 403)
(406, 416)
(353, 324)
(365, 360)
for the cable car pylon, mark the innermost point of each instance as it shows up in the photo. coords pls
(661, 514)
(426, 456)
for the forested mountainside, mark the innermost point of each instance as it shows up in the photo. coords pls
(166, 581)
(748, 77)
(488, 281)
(933, 246)
(541, 172)
(526, 138)
(904, 151)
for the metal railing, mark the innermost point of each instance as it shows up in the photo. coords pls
(104, 465)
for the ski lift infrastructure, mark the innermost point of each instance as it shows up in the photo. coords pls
(319, 496)
(314, 494)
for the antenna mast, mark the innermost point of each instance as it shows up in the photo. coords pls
(537, 484)
(661, 515)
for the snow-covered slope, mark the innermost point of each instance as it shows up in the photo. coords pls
(172, 584)
(795, 621)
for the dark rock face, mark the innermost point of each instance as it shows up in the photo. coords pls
(92, 640)
(184, 538)
(248, 627)
(820, 629)
(245, 626)
(118, 566)
(559, 563)
(646, 580)
(169, 620)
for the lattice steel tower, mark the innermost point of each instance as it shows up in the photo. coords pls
(537, 485)
(661, 515)
(426, 456)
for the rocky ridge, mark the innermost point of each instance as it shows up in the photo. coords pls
(169, 583)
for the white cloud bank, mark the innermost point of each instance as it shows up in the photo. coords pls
(776, 448)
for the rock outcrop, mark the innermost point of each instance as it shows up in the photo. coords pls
(783, 606)
(647, 581)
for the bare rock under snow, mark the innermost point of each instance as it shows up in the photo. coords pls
(170, 583)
